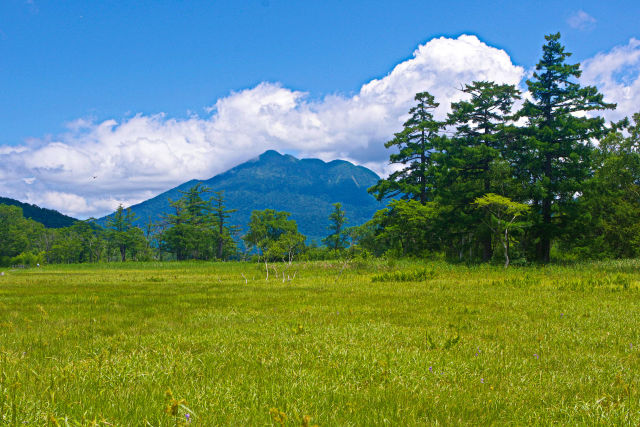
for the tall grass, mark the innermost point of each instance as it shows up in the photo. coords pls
(397, 342)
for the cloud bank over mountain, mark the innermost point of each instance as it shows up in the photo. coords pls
(95, 165)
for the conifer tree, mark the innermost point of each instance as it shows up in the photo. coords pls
(337, 240)
(190, 227)
(555, 156)
(224, 232)
(414, 144)
(479, 141)
(122, 233)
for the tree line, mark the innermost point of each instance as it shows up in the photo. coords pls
(197, 228)
(548, 180)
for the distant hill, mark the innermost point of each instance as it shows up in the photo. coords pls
(48, 217)
(306, 188)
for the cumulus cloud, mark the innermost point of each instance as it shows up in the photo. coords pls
(616, 74)
(581, 20)
(96, 165)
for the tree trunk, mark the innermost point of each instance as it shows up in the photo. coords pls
(544, 247)
(220, 231)
(219, 254)
(423, 162)
(506, 247)
(487, 248)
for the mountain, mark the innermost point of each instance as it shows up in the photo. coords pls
(306, 188)
(48, 217)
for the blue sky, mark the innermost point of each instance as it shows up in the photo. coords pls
(108, 87)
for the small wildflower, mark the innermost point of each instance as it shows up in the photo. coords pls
(278, 416)
(306, 422)
(535, 355)
(430, 368)
(482, 380)
(188, 417)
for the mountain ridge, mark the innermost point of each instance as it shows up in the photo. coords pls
(306, 188)
(50, 218)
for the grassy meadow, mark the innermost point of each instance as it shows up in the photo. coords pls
(358, 343)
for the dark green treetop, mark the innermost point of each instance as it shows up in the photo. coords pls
(414, 144)
(472, 156)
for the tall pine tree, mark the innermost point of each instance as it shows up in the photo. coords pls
(414, 143)
(468, 169)
(555, 156)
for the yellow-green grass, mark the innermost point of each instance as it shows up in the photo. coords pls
(357, 343)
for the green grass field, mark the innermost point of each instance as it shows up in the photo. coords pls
(379, 342)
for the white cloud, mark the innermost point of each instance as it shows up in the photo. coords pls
(581, 20)
(616, 74)
(94, 166)
(64, 202)
(9, 149)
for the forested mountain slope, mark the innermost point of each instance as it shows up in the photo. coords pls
(306, 188)
(48, 217)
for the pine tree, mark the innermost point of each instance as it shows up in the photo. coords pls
(190, 232)
(122, 233)
(224, 232)
(414, 143)
(480, 140)
(555, 158)
(337, 240)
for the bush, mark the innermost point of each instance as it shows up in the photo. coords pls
(28, 259)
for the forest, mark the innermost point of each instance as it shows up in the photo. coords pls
(507, 178)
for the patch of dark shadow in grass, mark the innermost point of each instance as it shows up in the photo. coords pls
(404, 276)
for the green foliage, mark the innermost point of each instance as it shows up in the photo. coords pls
(274, 235)
(28, 259)
(123, 235)
(609, 209)
(17, 234)
(414, 143)
(47, 217)
(198, 227)
(337, 240)
(538, 166)
(190, 233)
(503, 213)
(225, 244)
(554, 156)
(405, 228)
(474, 161)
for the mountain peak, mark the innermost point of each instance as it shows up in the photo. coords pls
(306, 188)
(270, 154)
(273, 155)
